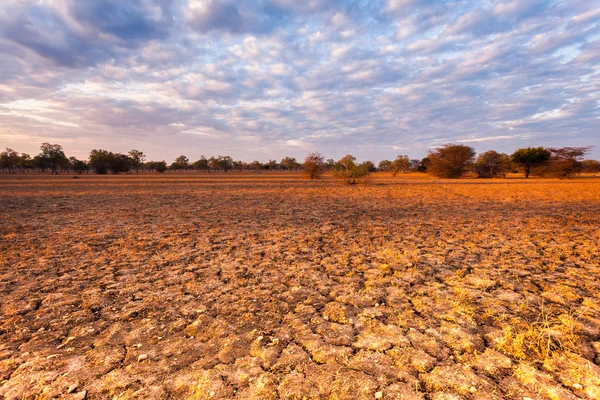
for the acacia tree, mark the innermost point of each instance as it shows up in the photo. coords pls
(349, 171)
(565, 161)
(314, 165)
(491, 163)
(451, 160)
(530, 157)
(53, 156)
(401, 163)
(137, 159)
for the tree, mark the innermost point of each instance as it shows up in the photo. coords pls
(201, 164)
(78, 166)
(137, 159)
(349, 171)
(313, 166)
(161, 166)
(271, 165)
(9, 160)
(330, 164)
(180, 163)
(401, 163)
(102, 161)
(25, 162)
(491, 164)
(53, 156)
(424, 164)
(564, 162)
(530, 157)
(451, 160)
(590, 166)
(370, 166)
(289, 163)
(385, 165)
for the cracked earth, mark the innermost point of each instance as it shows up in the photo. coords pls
(266, 286)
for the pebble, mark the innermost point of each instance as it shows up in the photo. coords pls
(472, 389)
(142, 357)
(72, 388)
(81, 395)
(577, 386)
(139, 345)
(212, 394)
(527, 398)
(378, 395)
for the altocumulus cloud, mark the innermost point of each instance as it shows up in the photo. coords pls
(272, 78)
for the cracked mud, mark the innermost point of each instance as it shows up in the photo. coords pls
(266, 286)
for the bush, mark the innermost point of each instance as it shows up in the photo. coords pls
(314, 166)
(349, 171)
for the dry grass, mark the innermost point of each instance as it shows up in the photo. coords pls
(267, 286)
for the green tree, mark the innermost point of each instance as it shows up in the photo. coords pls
(201, 164)
(25, 162)
(385, 165)
(401, 163)
(53, 156)
(451, 160)
(137, 159)
(530, 157)
(78, 166)
(180, 163)
(349, 171)
(9, 159)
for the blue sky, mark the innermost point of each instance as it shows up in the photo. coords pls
(272, 78)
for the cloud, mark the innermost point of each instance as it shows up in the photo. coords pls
(260, 79)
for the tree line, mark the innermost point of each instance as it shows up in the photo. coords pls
(448, 161)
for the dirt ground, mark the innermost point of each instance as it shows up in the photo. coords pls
(266, 286)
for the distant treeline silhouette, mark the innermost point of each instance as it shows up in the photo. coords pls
(448, 161)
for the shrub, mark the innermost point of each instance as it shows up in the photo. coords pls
(349, 171)
(313, 166)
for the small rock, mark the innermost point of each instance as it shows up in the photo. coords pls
(139, 345)
(577, 386)
(72, 388)
(472, 389)
(212, 394)
(81, 395)
(527, 398)
(142, 357)
(378, 395)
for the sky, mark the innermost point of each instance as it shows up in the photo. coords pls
(265, 79)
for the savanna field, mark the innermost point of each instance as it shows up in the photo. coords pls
(267, 286)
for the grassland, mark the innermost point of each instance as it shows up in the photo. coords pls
(266, 286)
